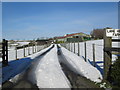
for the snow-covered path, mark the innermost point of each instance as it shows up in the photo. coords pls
(76, 80)
(16, 67)
(48, 73)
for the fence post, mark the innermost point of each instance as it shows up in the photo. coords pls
(4, 52)
(93, 55)
(35, 47)
(38, 48)
(85, 51)
(28, 49)
(65, 45)
(16, 52)
(74, 47)
(107, 55)
(71, 47)
(78, 49)
(24, 50)
(32, 49)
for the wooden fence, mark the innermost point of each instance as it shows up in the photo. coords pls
(108, 49)
(34, 48)
(107, 52)
(72, 47)
(4, 52)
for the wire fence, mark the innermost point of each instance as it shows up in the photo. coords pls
(91, 52)
(94, 53)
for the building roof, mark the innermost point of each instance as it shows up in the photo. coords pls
(60, 37)
(69, 35)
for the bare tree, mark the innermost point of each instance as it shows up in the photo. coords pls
(98, 33)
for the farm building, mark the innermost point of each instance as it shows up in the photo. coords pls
(75, 37)
(43, 41)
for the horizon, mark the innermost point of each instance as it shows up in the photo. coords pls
(32, 20)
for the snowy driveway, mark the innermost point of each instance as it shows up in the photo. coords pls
(46, 71)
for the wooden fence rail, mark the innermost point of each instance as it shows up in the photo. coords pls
(26, 51)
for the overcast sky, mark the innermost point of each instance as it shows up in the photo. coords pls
(30, 20)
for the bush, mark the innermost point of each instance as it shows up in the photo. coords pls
(115, 72)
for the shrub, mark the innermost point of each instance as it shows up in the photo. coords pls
(115, 72)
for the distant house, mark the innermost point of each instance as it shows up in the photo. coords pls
(60, 39)
(75, 37)
(43, 41)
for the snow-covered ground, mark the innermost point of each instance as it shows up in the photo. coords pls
(17, 66)
(48, 73)
(22, 43)
(20, 52)
(18, 43)
(79, 66)
(98, 51)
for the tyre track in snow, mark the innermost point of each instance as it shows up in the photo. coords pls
(49, 73)
(77, 81)
(23, 80)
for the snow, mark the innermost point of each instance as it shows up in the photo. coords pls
(22, 43)
(15, 44)
(48, 73)
(12, 52)
(79, 66)
(99, 45)
(16, 67)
